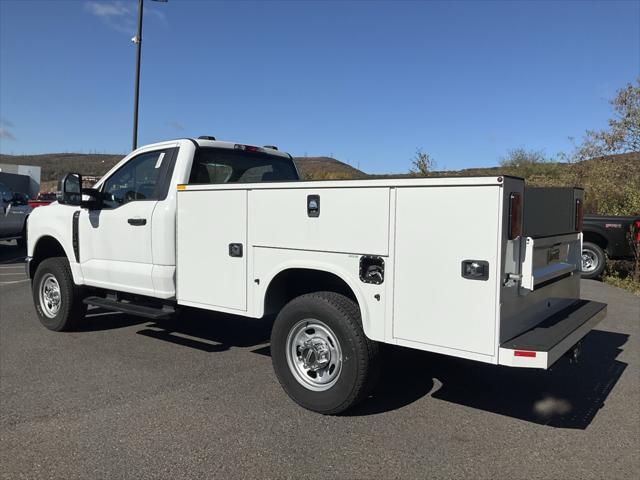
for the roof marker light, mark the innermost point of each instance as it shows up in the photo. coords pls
(247, 148)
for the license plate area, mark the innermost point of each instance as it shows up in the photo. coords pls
(544, 260)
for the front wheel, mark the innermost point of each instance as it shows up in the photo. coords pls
(593, 260)
(320, 353)
(57, 299)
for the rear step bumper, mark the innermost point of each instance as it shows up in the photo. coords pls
(130, 308)
(545, 343)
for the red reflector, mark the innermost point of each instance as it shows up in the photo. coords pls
(515, 216)
(579, 215)
(637, 222)
(523, 353)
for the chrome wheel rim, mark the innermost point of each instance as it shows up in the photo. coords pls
(50, 298)
(314, 355)
(590, 261)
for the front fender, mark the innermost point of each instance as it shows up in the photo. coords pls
(55, 221)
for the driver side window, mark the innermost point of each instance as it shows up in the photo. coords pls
(137, 180)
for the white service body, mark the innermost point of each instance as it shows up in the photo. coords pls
(423, 229)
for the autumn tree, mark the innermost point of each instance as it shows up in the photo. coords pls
(422, 163)
(521, 157)
(623, 132)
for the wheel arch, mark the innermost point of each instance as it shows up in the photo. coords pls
(292, 280)
(595, 237)
(45, 247)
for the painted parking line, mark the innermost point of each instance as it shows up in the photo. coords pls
(14, 274)
(15, 281)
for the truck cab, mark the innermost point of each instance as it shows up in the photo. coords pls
(127, 242)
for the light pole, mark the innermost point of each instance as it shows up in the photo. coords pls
(136, 94)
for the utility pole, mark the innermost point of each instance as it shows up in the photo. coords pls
(136, 95)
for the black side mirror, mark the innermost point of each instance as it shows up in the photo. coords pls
(95, 201)
(70, 189)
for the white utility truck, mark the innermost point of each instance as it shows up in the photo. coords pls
(466, 267)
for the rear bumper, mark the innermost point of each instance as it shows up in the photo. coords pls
(544, 344)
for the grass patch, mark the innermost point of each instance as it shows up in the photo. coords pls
(620, 273)
(627, 283)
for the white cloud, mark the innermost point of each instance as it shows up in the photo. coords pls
(108, 9)
(4, 129)
(176, 125)
(121, 16)
(117, 15)
(6, 134)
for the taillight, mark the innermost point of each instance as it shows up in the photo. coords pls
(515, 215)
(579, 215)
(637, 235)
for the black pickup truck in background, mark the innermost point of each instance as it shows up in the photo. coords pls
(604, 237)
(607, 234)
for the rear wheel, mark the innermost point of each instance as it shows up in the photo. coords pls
(593, 260)
(57, 299)
(320, 353)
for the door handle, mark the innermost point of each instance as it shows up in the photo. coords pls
(137, 222)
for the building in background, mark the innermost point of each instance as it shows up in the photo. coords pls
(21, 178)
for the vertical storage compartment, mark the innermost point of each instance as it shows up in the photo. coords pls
(435, 302)
(211, 243)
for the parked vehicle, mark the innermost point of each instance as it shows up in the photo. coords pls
(13, 216)
(437, 264)
(43, 198)
(607, 237)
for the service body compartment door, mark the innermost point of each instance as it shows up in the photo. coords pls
(437, 229)
(347, 220)
(212, 249)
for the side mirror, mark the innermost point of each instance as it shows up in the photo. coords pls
(70, 189)
(95, 199)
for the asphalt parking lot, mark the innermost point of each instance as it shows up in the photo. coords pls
(128, 398)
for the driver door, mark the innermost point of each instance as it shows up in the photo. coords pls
(115, 241)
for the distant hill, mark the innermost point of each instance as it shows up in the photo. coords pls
(611, 183)
(326, 168)
(54, 165)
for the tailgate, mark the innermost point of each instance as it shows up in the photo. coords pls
(542, 345)
(542, 264)
(549, 259)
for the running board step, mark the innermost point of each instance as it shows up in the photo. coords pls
(130, 308)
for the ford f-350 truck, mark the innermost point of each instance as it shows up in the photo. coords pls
(437, 264)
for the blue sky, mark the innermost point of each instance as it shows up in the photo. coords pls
(365, 82)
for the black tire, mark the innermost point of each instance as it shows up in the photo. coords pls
(597, 260)
(359, 368)
(70, 311)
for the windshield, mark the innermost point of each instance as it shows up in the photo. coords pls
(222, 165)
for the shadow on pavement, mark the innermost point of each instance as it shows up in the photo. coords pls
(98, 319)
(210, 331)
(567, 396)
